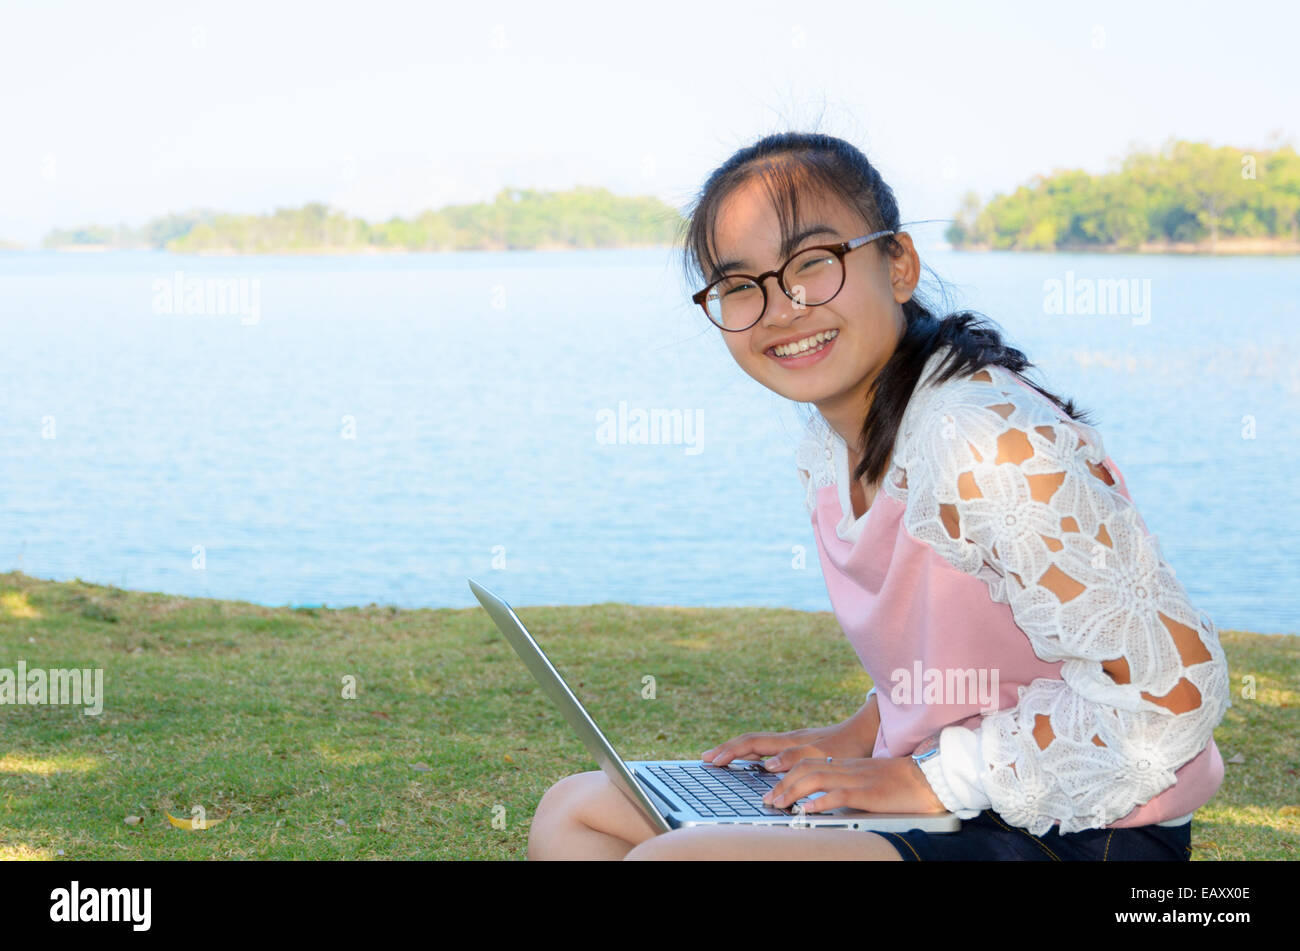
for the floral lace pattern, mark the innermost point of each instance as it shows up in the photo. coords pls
(1005, 487)
(814, 458)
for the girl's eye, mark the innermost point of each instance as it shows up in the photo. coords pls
(742, 286)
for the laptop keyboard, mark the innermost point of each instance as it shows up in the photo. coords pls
(719, 791)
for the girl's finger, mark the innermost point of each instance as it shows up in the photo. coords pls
(726, 747)
(805, 785)
(724, 754)
(788, 757)
(810, 777)
(832, 800)
(731, 752)
(742, 746)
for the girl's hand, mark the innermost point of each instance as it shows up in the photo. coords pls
(871, 785)
(841, 740)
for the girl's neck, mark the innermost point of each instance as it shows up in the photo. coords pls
(846, 417)
(846, 413)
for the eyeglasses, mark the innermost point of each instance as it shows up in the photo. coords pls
(736, 302)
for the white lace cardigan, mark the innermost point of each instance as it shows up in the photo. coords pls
(960, 449)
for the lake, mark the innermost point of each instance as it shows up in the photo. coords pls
(340, 430)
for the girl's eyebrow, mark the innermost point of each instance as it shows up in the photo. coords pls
(787, 248)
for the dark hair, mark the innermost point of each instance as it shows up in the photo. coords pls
(791, 163)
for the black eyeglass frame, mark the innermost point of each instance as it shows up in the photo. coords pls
(839, 250)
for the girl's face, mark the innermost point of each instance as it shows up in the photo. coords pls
(866, 315)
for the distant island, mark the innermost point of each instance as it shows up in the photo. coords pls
(1188, 197)
(515, 219)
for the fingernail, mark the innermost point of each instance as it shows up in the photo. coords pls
(772, 763)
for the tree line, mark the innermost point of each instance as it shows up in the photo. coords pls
(1184, 192)
(581, 217)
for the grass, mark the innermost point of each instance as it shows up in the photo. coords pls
(448, 745)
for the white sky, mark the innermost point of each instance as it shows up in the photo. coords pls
(119, 112)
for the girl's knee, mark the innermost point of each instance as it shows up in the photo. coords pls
(558, 810)
(589, 801)
(570, 791)
(569, 800)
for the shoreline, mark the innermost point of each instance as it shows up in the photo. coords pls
(17, 579)
(310, 252)
(1224, 247)
(1264, 247)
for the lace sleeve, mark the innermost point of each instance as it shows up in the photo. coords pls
(1008, 490)
(813, 461)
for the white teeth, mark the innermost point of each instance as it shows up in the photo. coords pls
(807, 343)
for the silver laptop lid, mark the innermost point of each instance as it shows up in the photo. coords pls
(537, 663)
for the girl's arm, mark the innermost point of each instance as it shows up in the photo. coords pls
(865, 724)
(1007, 490)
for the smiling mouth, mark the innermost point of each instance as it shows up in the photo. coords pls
(801, 348)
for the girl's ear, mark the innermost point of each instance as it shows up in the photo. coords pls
(905, 269)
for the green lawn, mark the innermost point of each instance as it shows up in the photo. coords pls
(240, 709)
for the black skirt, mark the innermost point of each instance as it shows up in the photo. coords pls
(987, 837)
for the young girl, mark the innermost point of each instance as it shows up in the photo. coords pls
(1041, 671)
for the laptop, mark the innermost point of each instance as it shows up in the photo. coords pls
(677, 793)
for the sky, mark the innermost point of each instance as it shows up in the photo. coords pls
(117, 113)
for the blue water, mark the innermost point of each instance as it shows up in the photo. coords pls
(132, 432)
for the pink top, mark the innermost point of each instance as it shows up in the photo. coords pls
(961, 641)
